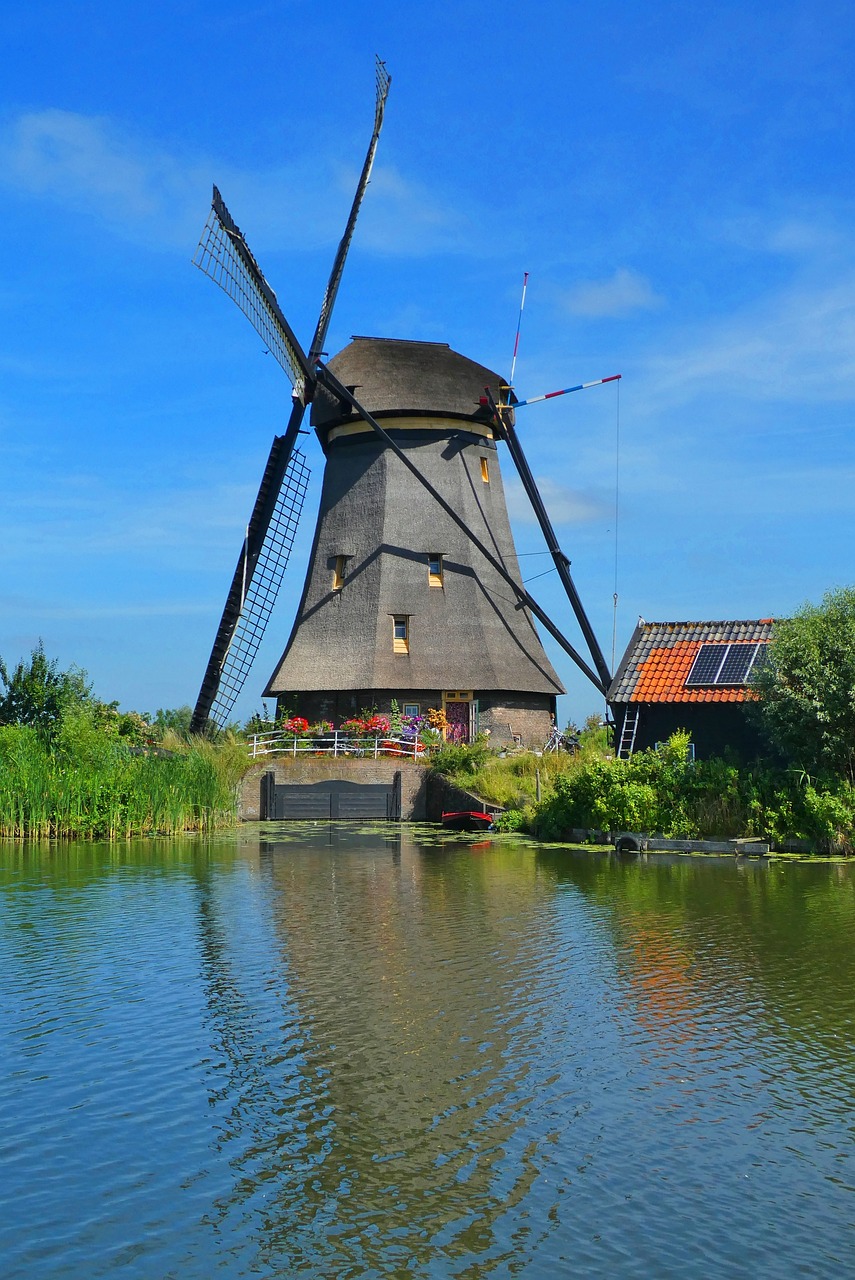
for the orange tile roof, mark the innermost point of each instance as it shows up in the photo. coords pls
(660, 656)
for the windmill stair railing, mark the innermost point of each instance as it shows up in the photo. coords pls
(337, 743)
(626, 745)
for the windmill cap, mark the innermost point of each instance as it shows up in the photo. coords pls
(397, 376)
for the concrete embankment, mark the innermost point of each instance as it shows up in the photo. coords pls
(423, 794)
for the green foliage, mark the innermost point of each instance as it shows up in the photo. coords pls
(660, 791)
(74, 766)
(38, 694)
(460, 759)
(806, 689)
(175, 719)
(503, 780)
(257, 723)
(595, 735)
(86, 784)
(512, 820)
(829, 817)
(663, 792)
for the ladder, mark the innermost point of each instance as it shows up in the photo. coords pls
(627, 733)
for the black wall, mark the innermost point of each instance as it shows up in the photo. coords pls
(715, 727)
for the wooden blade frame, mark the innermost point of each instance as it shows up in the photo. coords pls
(384, 80)
(224, 255)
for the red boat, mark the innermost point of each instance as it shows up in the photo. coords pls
(467, 820)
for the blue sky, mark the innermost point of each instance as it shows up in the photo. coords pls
(679, 183)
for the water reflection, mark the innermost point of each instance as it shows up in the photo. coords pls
(411, 1049)
(330, 1051)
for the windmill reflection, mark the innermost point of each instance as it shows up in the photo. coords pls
(381, 1113)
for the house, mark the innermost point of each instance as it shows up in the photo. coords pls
(693, 676)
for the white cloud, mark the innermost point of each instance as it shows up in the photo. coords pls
(404, 217)
(103, 520)
(809, 235)
(93, 165)
(565, 505)
(86, 163)
(626, 291)
(797, 345)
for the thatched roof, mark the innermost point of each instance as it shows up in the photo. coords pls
(391, 376)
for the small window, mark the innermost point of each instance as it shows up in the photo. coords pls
(435, 570)
(401, 633)
(412, 709)
(485, 471)
(338, 573)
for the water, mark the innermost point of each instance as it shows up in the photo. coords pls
(340, 1052)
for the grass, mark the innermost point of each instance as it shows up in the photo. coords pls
(510, 781)
(81, 785)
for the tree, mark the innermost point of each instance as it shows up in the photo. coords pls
(806, 687)
(37, 693)
(175, 718)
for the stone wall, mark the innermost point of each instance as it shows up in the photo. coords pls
(322, 769)
(509, 718)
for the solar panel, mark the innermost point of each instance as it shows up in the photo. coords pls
(760, 660)
(725, 664)
(706, 665)
(736, 665)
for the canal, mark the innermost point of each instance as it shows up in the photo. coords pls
(338, 1051)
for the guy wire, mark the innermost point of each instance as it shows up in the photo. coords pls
(617, 513)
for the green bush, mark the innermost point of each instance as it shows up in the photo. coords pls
(456, 759)
(512, 820)
(829, 818)
(663, 792)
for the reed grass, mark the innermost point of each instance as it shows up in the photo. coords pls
(82, 785)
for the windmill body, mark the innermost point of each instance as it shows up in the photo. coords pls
(399, 603)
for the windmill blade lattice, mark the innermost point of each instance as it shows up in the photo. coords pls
(262, 589)
(226, 258)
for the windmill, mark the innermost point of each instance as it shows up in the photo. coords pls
(413, 590)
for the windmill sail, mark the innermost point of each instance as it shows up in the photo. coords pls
(252, 596)
(384, 80)
(224, 255)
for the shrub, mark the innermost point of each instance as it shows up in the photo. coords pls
(457, 758)
(511, 820)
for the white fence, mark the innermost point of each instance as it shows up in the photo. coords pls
(337, 743)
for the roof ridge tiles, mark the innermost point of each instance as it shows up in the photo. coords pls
(715, 622)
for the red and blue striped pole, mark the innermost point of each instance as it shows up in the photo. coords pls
(583, 386)
(519, 324)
